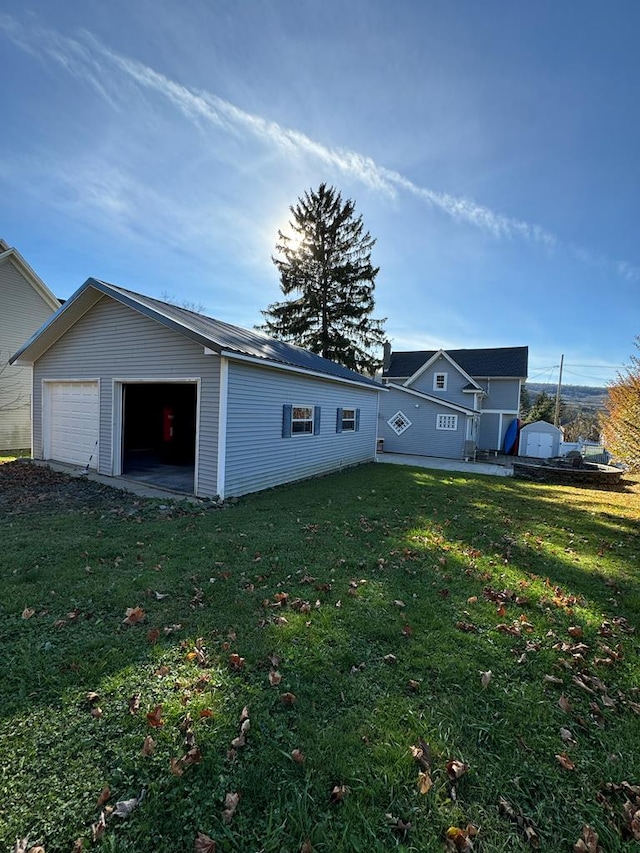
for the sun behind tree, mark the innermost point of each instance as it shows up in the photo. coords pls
(325, 268)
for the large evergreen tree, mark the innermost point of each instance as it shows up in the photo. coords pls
(621, 427)
(325, 268)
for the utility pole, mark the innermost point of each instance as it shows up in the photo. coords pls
(556, 418)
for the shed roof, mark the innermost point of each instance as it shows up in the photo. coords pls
(215, 335)
(494, 362)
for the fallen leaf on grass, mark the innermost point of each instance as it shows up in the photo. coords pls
(98, 828)
(390, 659)
(456, 769)
(589, 841)
(236, 662)
(153, 635)
(307, 847)
(154, 718)
(124, 808)
(398, 825)
(148, 746)
(467, 627)
(461, 839)
(28, 612)
(231, 801)
(288, 698)
(298, 756)
(134, 704)
(564, 704)
(78, 845)
(338, 793)
(552, 679)
(204, 844)
(133, 615)
(521, 820)
(485, 678)
(104, 796)
(206, 712)
(566, 736)
(412, 684)
(96, 712)
(274, 678)
(176, 767)
(575, 631)
(407, 630)
(564, 761)
(424, 782)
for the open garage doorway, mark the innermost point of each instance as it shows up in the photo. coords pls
(159, 433)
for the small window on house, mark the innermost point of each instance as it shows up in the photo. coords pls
(439, 381)
(446, 422)
(300, 420)
(347, 420)
(399, 423)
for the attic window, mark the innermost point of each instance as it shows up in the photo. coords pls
(399, 423)
(439, 381)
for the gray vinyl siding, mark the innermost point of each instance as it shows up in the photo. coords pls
(258, 457)
(491, 432)
(455, 383)
(22, 311)
(112, 342)
(421, 438)
(503, 394)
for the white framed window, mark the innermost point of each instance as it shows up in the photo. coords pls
(347, 420)
(399, 423)
(300, 420)
(447, 422)
(439, 381)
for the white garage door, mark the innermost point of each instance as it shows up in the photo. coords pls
(72, 427)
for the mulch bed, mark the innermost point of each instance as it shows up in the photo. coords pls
(25, 486)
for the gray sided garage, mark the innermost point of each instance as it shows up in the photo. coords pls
(136, 387)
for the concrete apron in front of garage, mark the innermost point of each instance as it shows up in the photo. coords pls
(438, 464)
(135, 487)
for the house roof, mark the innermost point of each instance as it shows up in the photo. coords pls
(497, 362)
(9, 254)
(213, 335)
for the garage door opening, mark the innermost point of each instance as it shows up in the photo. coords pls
(159, 433)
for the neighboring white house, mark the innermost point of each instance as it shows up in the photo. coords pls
(25, 303)
(118, 376)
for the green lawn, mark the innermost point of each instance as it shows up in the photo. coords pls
(384, 630)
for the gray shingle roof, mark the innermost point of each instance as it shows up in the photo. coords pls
(500, 361)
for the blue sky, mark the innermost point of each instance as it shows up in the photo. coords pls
(492, 149)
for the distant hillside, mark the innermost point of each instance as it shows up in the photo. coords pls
(586, 396)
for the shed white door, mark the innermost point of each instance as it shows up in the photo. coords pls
(539, 445)
(71, 429)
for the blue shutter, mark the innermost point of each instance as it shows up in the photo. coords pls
(316, 420)
(357, 419)
(286, 421)
(339, 420)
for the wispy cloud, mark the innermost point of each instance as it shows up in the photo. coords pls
(88, 59)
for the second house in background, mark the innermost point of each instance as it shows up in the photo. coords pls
(450, 403)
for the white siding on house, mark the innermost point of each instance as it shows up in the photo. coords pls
(113, 343)
(258, 457)
(22, 311)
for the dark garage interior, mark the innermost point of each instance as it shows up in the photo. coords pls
(159, 433)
